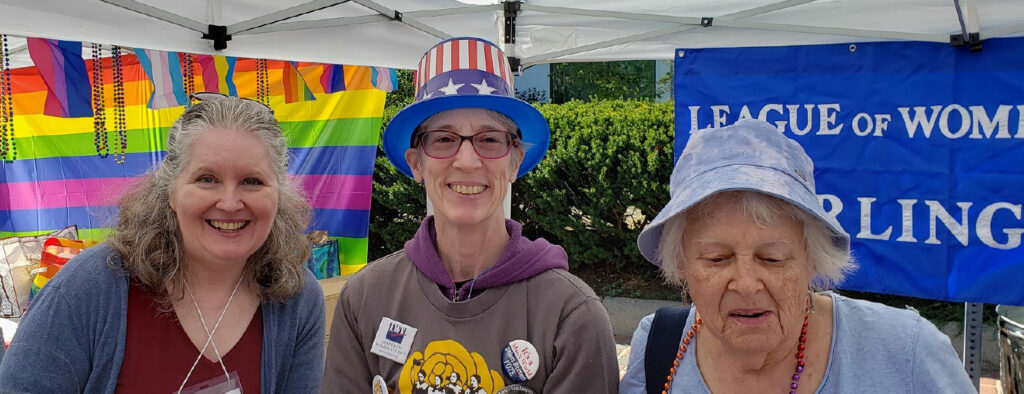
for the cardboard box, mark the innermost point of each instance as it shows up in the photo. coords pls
(331, 288)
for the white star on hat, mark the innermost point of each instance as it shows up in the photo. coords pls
(482, 87)
(452, 88)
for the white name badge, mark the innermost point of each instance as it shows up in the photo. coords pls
(393, 340)
(219, 384)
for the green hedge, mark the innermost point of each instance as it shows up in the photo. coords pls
(604, 177)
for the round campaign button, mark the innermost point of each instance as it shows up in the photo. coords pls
(516, 389)
(520, 360)
(379, 385)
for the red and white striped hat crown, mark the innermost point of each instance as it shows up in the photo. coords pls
(463, 65)
(465, 72)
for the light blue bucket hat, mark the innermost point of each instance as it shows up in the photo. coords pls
(748, 155)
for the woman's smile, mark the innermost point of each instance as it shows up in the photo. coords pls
(228, 226)
(468, 190)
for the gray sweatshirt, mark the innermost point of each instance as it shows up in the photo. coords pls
(394, 321)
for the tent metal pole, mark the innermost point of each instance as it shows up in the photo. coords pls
(765, 9)
(160, 14)
(302, 25)
(281, 15)
(399, 17)
(610, 14)
(507, 31)
(529, 61)
(214, 12)
(972, 341)
(973, 26)
(452, 11)
(836, 31)
(695, 22)
(1003, 31)
(656, 17)
(355, 20)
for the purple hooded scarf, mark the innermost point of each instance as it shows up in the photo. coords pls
(521, 259)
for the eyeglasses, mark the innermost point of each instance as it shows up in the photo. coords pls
(445, 144)
(214, 96)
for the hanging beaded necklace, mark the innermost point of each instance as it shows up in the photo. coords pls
(8, 148)
(120, 126)
(99, 119)
(189, 81)
(693, 333)
(262, 90)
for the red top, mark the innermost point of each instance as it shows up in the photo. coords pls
(158, 353)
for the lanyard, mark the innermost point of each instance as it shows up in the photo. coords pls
(209, 333)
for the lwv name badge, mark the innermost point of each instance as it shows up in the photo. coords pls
(393, 340)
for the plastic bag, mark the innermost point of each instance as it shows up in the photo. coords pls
(324, 260)
(21, 255)
(56, 252)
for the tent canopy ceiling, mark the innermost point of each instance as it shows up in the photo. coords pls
(367, 32)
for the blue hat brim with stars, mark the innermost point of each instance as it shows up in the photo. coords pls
(461, 84)
(532, 125)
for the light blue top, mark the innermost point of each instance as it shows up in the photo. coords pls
(71, 340)
(875, 349)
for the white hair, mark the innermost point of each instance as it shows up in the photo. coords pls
(831, 262)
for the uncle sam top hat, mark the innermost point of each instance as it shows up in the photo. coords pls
(465, 72)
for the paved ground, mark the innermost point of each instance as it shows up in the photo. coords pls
(625, 313)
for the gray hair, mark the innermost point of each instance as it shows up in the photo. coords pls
(148, 235)
(831, 263)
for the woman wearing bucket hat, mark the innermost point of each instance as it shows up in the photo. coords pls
(469, 301)
(746, 235)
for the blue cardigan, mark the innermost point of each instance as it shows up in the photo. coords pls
(72, 338)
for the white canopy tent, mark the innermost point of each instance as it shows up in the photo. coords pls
(395, 33)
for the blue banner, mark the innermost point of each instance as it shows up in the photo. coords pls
(918, 151)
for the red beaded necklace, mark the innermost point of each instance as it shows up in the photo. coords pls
(693, 332)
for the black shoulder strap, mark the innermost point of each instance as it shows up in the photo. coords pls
(662, 344)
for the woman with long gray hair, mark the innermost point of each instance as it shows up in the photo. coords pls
(202, 284)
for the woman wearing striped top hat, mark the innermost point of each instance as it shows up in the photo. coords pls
(469, 301)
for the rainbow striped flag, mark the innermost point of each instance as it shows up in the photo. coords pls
(333, 78)
(59, 180)
(60, 64)
(218, 74)
(295, 86)
(164, 70)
